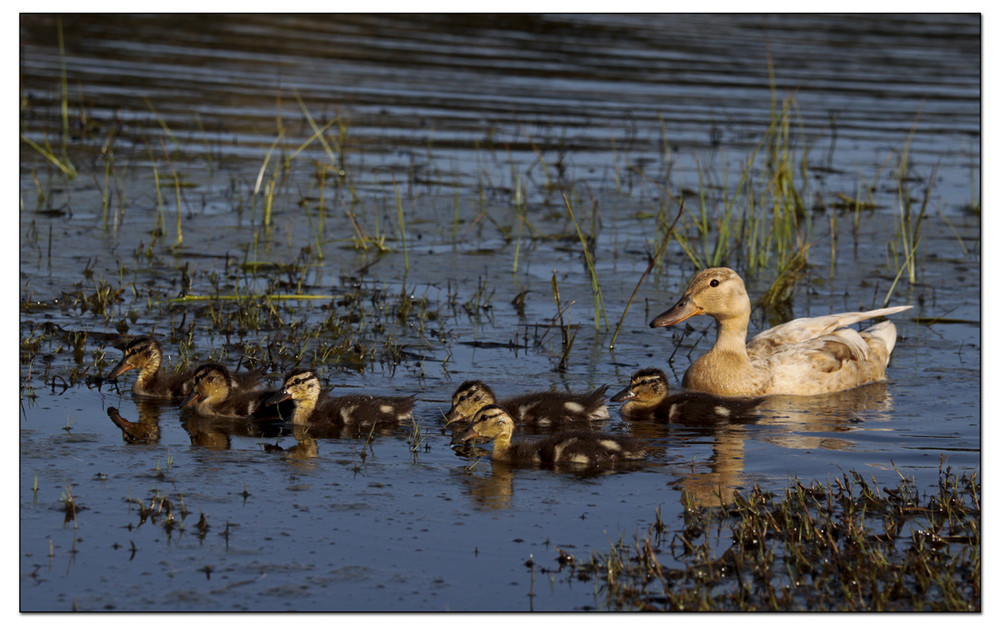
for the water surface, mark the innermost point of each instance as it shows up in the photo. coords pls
(470, 128)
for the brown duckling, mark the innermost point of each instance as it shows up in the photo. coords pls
(215, 393)
(144, 354)
(646, 397)
(579, 448)
(315, 407)
(543, 409)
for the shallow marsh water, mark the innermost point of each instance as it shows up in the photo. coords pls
(476, 126)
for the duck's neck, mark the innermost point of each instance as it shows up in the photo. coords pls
(304, 408)
(501, 446)
(731, 336)
(147, 374)
(640, 406)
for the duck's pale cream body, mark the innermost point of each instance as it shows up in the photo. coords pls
(807, 356)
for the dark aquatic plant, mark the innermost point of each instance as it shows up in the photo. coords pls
(847, 546)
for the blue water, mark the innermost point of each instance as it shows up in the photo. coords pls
(475, 125)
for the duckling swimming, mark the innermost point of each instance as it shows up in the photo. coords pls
(144, 353)
(544, 408)
(580, 448)
(215, 393)
(314, 407)
(646, 397)
(807, 356)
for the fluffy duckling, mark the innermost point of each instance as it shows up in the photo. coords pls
(144, 354)
(216, 393)
(545, 408)
(314, 407)
(580, 448)
(646, 397)
(807, 356)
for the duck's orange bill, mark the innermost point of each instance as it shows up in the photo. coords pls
(678, 313)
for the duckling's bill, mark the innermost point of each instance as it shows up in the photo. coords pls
(278, 397)
(625, 395)
(193, 398)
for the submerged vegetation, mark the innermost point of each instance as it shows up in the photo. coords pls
(849, 545)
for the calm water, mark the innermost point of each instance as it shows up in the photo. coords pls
(468, 128)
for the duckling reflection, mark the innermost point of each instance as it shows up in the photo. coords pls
(145, 430)
(212, 432)
(315, 408)
(794, 422)
(647, 398)
(582, 448)
(493, 490)
(144, 354)
(539, 409)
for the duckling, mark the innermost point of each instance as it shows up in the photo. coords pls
(807, 356)
(545, 408)
(581, 448)
(646, 397)
(314, 407)
(144, 353)
(215, 393)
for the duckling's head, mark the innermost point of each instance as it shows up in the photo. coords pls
(647, 387)
(299, 385)
(718, 292)
(211, 382)
(470, 397)
(139, 353)
(491, 421)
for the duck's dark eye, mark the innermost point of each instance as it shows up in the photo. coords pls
(713, 283)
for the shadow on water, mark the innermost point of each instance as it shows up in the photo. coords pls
(407, 202)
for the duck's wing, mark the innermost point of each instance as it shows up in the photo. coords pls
(808, 328)
(841, 359)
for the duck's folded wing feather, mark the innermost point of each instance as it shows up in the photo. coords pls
(806, 328)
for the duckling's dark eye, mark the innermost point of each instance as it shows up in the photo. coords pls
(713, 283)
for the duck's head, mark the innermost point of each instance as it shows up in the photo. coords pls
(470, 397)
(211, 382)
(490, 422)
(718, 292)
(647, 386)
(138, 354)
(299, 385)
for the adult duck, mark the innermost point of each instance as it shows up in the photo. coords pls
(807, 356)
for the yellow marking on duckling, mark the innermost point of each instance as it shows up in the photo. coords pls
(610, 445)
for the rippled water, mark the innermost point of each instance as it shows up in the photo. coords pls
(455, 122)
